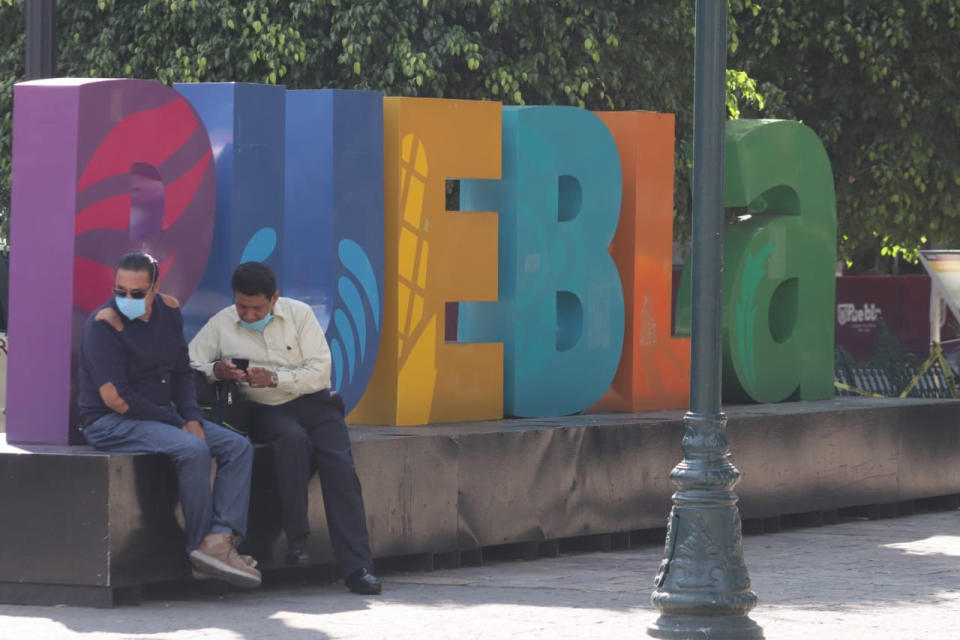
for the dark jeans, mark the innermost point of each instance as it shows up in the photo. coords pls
(306, 434)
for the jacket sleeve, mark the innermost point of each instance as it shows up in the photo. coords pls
(204, 350)
(184, 391)
(314, 373)
(105, 358)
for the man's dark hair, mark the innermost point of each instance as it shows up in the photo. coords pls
(251, 278)
(140, 261)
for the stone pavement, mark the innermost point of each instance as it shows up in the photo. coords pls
(879, 580)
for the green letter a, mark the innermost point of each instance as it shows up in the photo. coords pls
(779, 277)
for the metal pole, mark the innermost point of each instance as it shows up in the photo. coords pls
(41, 47)
(934, 316)
(703, 589)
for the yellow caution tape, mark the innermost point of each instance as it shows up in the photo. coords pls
(947, 372)
(846, 387)
(936, 355)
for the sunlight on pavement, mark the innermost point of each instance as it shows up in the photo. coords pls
(466, 621)
(40, 628)
(934, 545)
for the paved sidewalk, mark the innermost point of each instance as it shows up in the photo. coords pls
(879, 580)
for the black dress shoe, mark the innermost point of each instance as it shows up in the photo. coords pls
(363, 582)
(297, 554)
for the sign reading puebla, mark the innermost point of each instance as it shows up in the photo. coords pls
(559, 255)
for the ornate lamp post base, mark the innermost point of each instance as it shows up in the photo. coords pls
(703, 587)
(696, 627)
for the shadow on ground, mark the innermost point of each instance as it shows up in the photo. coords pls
(857, 564)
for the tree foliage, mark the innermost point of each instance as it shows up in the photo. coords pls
(878, 81)
(832, 64)
(609, 55)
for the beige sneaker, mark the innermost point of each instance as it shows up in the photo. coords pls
(217, 557)
(250, 561)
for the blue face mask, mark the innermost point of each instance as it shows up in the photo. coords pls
(131, 307)
(259, 324)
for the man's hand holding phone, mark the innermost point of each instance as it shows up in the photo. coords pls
(231, 369)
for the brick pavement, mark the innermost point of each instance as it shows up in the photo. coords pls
(881, 580)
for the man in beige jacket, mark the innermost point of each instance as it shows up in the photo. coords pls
(287, 380)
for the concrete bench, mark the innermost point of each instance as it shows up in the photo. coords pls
(84, 527)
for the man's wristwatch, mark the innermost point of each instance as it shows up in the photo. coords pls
(274, 379)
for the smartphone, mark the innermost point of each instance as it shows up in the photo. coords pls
(241, 363)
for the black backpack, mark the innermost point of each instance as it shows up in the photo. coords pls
(223, 402)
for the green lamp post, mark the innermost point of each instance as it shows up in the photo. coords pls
(41, 39)
(703, 589)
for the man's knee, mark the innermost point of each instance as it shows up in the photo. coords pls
(230, 444)
(191, 450)
(331, 443)
(240, 447)
(293, 441)
(334, 462)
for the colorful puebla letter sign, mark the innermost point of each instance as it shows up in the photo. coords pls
(434, 257)
(558, 259)
(779, 276)
(332, 248)
(559, 308)
(101, 167)
(654, 370)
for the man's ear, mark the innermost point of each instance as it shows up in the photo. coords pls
(276, 296)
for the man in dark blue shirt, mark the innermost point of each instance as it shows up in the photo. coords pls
(136, 395)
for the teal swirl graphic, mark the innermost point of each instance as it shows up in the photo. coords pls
(356, 317)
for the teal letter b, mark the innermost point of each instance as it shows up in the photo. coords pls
(560, 310)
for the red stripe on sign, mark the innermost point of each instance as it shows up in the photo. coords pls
(110, 213)
(92, 283)
(179, 193)
(149, 136)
